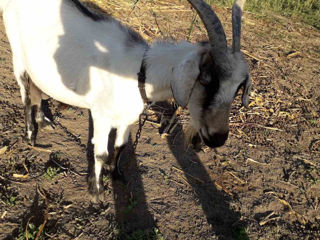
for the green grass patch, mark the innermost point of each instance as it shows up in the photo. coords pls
(11, 201)
(30, 232)
(149, 234)
(307, 11)
(241, 234)
(51, 173)
(131, 206)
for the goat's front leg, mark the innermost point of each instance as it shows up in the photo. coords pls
(101, 130)
(120, 144)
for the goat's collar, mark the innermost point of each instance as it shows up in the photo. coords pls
(142, 80)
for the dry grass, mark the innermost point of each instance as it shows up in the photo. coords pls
(156, 19)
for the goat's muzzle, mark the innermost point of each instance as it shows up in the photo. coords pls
(216, 140)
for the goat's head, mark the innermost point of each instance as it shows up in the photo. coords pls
(212, 77)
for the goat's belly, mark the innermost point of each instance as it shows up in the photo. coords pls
(49, 81)
(66, 96)
(62, 78)
(59, 92)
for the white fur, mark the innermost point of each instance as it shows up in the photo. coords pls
(3, 4)
(165, 63)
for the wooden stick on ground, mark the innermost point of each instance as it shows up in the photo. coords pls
(195, 178)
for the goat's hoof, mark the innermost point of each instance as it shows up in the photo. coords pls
(46, 123)
(30, 141)
(110, 167)
(95, 194)
(97, 197)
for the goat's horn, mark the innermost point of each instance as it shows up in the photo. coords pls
(216, 34)
(236, 24)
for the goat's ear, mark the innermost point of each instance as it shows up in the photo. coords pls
(246, 91)
(185, 76)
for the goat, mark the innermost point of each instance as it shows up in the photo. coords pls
(77, 57)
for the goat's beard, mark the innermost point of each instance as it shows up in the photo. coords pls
(192, 138)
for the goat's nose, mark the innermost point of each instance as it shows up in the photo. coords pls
(216, 140)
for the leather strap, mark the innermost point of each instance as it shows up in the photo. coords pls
(142, 81)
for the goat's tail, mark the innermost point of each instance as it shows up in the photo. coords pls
(3, 4)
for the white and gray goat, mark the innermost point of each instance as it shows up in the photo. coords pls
(77, 57)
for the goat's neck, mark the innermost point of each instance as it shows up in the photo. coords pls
(161, 59)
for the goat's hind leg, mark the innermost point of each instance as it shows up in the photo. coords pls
(31, 127)
(36, 102)
(34, 116)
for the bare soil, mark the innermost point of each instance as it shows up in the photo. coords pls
(263, 184)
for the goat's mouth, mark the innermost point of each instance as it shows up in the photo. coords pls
(198, 138)
(215, 140)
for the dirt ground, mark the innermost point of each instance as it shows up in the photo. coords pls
(263, 184)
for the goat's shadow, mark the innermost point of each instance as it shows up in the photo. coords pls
(224, 221)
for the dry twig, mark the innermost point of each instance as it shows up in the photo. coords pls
(188, 174)
(43, 195)
(3, 150)
(251, 56)
(40, 149)
(68, 169)
(300, 218)
(237, 178)
(268, 219)
(4, 214)
(254, 161)
(16, 175)
(26, 228)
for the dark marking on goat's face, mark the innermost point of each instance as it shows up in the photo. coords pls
(215, 89)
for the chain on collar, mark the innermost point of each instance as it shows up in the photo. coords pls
(142, 119)
(141, 85)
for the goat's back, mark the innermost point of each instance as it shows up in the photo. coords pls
(68, 54)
